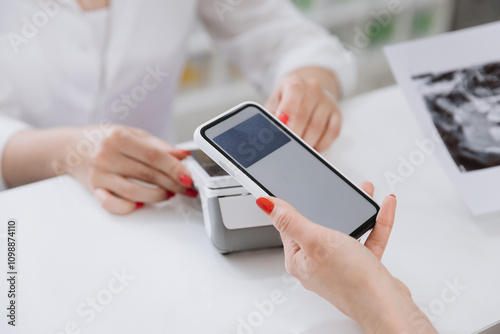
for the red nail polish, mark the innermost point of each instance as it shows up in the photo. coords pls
(393, 195)
(265, 205)
(170, 195)
(191, 193)
(187, 152)
(138, 205)
(284, 118)
(186, 181)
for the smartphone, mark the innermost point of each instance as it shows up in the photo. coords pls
(268, 159)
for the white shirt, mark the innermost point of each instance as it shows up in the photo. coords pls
(61, 66)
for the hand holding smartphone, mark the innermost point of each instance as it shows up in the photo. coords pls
(268, 159)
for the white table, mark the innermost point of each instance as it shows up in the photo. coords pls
(69, 249)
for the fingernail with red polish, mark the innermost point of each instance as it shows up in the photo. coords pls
(188, 152)
(138, 205)
(284, 118)
(265, 205)
(170, 195)
(393, 195)
(186, 180)
(191, 193)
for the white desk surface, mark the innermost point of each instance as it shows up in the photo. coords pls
(68, 248)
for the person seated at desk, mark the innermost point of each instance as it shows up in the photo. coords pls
(346, 273)
(86, 87)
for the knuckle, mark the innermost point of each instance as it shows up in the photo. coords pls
(321, 251)
(301, 119)
(317, 127)
(113, 139)
(174, 168)
(128, 190)
(93, 176)
(153, 156)
(282, 220)
(99, 157)
(333, 240)
(295, 84)
(147, 174)
(313, 84)
(117, 135)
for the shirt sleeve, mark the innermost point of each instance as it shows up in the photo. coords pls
(9, 124)
(266, 39)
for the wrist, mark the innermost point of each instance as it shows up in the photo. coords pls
(394, 311)
(66, 157)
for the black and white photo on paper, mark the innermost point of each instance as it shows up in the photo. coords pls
(465, 108)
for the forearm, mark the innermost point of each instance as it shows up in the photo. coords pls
(34, 155)
(326, 78)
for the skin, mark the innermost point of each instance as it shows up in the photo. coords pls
(124, 153)
(348, 274)
(93, 4)
(120, 155)
(313, 113)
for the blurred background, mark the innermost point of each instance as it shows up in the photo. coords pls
(209, 85)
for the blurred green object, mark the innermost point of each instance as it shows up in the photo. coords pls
(422, 23)
(384, 35)
(304, 5)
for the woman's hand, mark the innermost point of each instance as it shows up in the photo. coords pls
(105, 159)
(346, 273)
(305, 101)
(123, 154)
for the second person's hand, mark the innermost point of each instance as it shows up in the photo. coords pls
(305, 101)
(124, 154)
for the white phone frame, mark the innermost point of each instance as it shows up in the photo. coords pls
(240, 176)
(225, 163)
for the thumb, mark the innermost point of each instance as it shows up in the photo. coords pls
(286, 219)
